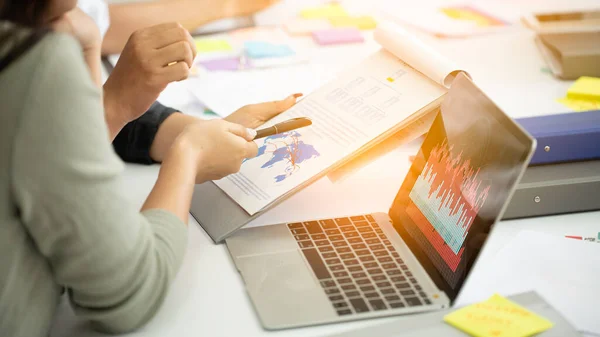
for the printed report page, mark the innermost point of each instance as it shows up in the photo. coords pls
(347, 113)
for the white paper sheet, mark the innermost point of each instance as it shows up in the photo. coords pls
(416, 53)
(360, 105)
(255, 85)
(565, 272)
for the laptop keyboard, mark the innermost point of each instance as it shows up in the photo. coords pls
(359, 269)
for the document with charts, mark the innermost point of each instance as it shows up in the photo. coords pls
(360, 108)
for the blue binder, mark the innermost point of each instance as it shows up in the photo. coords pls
(567, 137)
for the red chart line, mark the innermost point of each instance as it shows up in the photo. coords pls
(446, 199)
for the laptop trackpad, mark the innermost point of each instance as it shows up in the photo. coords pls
(284, 289)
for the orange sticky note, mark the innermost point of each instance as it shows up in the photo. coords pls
(360, 22)
(497, 317)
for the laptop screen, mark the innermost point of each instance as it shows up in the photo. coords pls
(459, 184)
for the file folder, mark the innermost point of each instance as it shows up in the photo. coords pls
(556, 189)
(567, 137)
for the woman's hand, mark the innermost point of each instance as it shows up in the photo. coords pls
(249, 116)
(79, 25)
(152, 58)
(218, 146)
(255, 115)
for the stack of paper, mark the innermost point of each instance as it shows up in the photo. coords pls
(565, 272)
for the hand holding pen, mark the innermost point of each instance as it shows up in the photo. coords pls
(289, 125)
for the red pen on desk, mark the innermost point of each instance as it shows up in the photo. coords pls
(576, 237)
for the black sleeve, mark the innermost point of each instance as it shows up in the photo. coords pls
(133, 143)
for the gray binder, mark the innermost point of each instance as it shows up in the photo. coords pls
(432, 324)
(556, 189)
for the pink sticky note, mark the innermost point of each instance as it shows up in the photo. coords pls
(337, 36)
(222, 64)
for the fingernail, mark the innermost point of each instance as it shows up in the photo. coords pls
(251, 133)
(298, 95)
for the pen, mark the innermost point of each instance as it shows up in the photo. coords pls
(289, 125)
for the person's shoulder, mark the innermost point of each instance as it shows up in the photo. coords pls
(58, 46)
(27, 45)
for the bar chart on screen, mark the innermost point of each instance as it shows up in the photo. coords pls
(445, 201)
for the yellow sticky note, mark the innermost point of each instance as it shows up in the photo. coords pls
(497, 317)
(360, 22)
(580, 104)
(212, 45)
(323, 12)
(466, 13)
(585, 88)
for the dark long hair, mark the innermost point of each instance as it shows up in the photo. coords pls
(20, 13)
(29, 13)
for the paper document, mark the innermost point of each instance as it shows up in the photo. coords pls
(362, 106)
(255, 85)
(563, 271)
(416, 53)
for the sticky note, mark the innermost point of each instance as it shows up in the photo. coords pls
(580, 104)
(212, 45)
(261, 49)
(497, 317)
(585, 88)
(467, 13)
(337, 36)
(360, 22)
(232, 63)
(306, 27)
(321, 12)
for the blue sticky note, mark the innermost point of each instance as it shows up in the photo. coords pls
(260, 49)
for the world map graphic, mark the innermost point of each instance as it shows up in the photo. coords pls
(285, 149)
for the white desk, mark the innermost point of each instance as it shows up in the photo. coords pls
(208, 296)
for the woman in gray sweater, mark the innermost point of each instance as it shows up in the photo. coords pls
(65, 224)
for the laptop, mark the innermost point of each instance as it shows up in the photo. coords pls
(413, 258)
